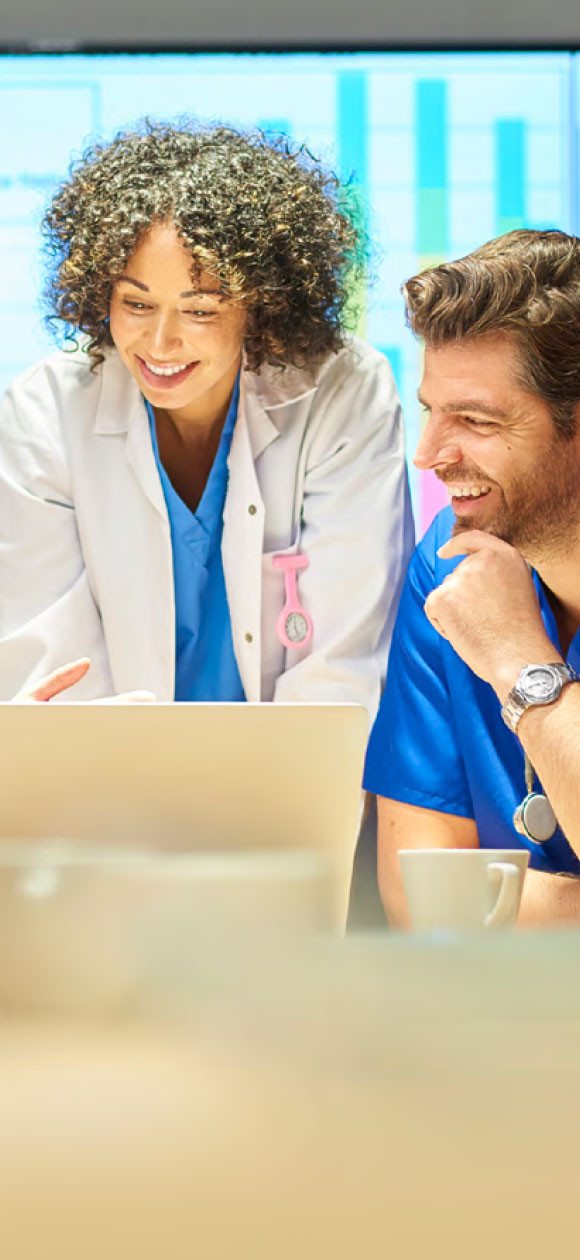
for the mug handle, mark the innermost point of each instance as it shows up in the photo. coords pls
(506, 906)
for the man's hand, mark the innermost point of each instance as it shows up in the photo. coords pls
(66, 676)
(489, 611)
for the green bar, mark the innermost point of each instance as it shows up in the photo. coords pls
(432, 221)
(507, 223)
(356, 306)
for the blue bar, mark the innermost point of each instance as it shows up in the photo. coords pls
(275, 127)
(431, 133)
(352, 126)
(393, 354)
(510, 157)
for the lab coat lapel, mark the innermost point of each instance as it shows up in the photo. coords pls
(141, 460)
(261, 395)
(149, 632)
(156, 612)
(122, 410)
(243, 535)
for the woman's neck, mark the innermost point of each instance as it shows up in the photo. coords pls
(198, 422)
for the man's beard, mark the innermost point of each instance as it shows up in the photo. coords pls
(544, 517)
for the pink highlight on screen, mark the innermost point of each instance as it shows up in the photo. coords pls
(434, 496)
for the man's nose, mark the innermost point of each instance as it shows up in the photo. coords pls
(437, 446)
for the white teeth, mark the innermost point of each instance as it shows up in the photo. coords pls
(467, 492)
(166, 371)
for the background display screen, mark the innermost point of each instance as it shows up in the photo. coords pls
(446, 151)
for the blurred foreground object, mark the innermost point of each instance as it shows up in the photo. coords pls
(188, 777)
(358, 1098)
(91, 932)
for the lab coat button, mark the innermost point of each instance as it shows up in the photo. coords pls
(249, 637)
(252, 509)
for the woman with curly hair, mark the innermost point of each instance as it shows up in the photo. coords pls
(205, 492)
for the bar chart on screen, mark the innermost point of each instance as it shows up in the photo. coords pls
(440, 151)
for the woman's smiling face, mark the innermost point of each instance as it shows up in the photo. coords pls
(179, 337)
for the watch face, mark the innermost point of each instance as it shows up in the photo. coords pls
(540, 684)
(296, 627)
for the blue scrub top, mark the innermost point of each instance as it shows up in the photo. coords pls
(205, 664)
(439, 740)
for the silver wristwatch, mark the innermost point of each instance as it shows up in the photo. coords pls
(537, 684)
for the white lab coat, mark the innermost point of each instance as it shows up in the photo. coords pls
(316, 465)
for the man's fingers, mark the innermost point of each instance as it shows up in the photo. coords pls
(469, 541)
(60, 679)
(430, 610)
(436, 626)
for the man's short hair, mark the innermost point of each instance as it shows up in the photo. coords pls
(525, 284)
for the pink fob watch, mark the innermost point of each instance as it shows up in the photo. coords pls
(293, 625)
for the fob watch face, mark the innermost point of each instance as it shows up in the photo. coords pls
(538, 818)
(296, 627)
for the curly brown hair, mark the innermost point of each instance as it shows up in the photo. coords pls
(275, 227)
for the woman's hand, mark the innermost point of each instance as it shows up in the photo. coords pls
(66, 676)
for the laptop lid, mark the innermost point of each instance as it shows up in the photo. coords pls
(206, 777)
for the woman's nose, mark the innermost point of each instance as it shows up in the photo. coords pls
(164, 334)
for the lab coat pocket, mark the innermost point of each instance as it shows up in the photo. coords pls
(273, 600)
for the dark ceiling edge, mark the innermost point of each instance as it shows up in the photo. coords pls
(57, 47)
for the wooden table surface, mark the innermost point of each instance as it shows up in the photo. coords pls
(388, 1097)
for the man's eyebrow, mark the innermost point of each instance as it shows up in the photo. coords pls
(189, 294)
(461, 405)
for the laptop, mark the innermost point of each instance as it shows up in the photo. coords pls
(200, 777)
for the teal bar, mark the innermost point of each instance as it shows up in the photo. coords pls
(431, 131)
(510, 165)
(353, 126)
(431, 167)
(276, 127)
(431, 221)
(393, 354)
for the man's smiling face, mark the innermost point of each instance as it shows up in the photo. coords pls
(494, 445)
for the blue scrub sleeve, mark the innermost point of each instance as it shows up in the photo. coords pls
(413, 754)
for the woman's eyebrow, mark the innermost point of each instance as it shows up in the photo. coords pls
(189, 294)
(128, 279)
(194, 293)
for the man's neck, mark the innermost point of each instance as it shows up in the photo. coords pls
(560, 576)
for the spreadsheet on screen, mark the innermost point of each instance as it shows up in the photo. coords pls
(442, 151)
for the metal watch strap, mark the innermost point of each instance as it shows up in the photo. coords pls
(516, 704)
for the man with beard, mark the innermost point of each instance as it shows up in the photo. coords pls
(480, 710)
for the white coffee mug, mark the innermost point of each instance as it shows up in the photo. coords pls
(463, 888)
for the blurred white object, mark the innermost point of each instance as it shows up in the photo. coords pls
(92, 932)
(193, 777)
